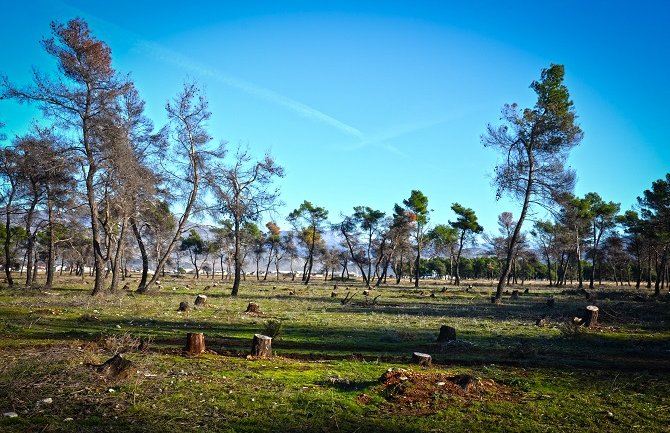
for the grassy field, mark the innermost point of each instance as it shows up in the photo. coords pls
(336, 367)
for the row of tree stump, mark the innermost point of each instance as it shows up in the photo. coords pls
(261, 345)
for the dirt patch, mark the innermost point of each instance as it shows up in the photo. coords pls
(424, 392)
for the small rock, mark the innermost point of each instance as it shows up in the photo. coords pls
(118, 326)
(441, 383)
(609, 414)
(111, 390)
(68, 419)
(10, 414)
(47, 400)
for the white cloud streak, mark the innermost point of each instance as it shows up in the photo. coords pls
(168, 56)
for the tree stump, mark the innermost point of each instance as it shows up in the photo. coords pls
(526, 291)
(261, 346)
(422, 359)
(125, 287)
(447, 333)
(493, 299)
(115, 367)
(591, 318)
(586, 294)
(542, 321)
(333, 294)
(200, 301)
(366, 292)
(195, 343)
(551, 302)
(515, 294)
(183, 306)
(253, 308)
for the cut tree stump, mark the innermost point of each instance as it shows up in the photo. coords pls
(115, 367)
(366, 292)
(493, 299)
(551, 302)
(200, 301)
(423, 359)
(125, 287)
(253, 308)
(542, 321)
(195, 343)
(261, 346)
(526, 291)
(183, 306)
(333, 294)
(591, 318)
(515, 294)
(447, 333)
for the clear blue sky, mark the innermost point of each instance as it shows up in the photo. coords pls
(362, 102)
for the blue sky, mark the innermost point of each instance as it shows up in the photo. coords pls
(362, 102)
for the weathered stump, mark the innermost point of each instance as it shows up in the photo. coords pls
(333, 294)
(586, 294)
(183, 306)
(253, 308)
(551, 302)
(515, 294)
(125, 287)
(444, 289)
(261, 346)
(200, 301)
(591, 317)
(526, 291)
(447, 333)
(115, 367)
(423, 359)
(493, 299)
(195, 343)
(366, 292)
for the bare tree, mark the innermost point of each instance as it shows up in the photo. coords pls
(244, 192)
(185, 157)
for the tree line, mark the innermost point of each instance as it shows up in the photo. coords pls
(96, 184)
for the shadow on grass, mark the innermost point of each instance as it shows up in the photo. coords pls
(586, 349)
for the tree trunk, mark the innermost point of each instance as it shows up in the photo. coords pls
(447, 333)
(416, 266)
(195, 343)
(237, 259)
(51, 247)
(8, 237)
(143, 254)
(261, 346)
(116, 261)
(422, 359)
(517, 230)
(591, 318)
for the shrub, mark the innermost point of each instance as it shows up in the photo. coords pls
(273, 329)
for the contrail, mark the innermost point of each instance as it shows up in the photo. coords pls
(161, 53)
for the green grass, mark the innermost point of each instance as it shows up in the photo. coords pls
(325, 375)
